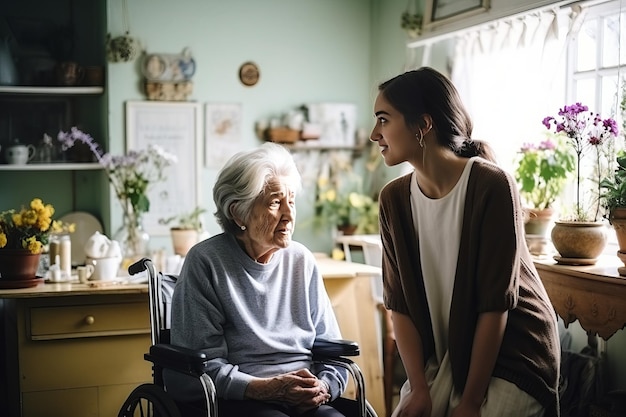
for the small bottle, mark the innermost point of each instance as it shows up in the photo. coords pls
(54, 249)
(65, 253)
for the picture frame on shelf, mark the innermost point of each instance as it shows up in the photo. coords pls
(177, 128)
(222, 132)
(439, 12)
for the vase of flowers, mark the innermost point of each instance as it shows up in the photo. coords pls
(131, 177)
(581, 237)
(23, 236)
(542, 170)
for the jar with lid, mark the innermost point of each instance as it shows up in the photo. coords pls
(46, 152)
(60, 253)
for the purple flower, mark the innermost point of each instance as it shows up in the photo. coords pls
(584, 129)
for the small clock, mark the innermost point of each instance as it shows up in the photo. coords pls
(249, 73)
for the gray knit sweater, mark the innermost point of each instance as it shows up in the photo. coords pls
(251, 319)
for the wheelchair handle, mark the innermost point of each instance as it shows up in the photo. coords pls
(139, 266)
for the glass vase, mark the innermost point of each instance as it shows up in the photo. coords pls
(134, 240)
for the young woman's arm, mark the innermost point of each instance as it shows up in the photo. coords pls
(487, 340)
(418, 403)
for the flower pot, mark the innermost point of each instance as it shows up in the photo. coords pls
(183, 240)
(348, 229)
(618, 221)
(18, 268)
(538, 222)
(578, 242)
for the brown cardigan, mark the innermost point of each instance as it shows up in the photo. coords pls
(494, 272)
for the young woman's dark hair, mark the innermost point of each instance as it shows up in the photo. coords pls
(427, 91)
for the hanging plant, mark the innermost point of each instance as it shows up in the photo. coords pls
(411, 20)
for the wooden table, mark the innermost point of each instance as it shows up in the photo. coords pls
(350, 290)
(595, 295)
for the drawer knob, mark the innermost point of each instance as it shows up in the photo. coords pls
(90, 320)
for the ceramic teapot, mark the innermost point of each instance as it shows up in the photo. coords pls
(97, 246)
(19, 154)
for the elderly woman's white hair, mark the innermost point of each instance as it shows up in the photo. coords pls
(245, 176)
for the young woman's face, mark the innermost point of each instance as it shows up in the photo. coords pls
(272, 221)
(396, 141)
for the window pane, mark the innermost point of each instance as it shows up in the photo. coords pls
(611, 48)
(586, 46)
(610, 105)
(585, 92)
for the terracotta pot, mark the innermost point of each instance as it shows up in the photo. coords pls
(618, 221)
(539, 221)
(584, 240)
(183, 240)
(347, 229)
(18, 264)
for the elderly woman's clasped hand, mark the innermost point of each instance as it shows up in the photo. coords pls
(300, 389)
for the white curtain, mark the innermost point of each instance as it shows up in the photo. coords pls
(511, 75)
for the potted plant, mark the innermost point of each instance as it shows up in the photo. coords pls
(350, 213)
(542, 170)
(187, 230)
(23, 236)
(614, 200)
(581, 238)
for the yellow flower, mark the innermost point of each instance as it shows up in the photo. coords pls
(27, 229)
(337, 254)
(33, 245)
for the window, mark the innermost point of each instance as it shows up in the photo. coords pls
(595, 57)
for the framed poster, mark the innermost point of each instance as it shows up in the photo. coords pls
(176, 127)
(443, 11)
(222, 133)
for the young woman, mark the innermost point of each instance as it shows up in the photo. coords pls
(474, 326)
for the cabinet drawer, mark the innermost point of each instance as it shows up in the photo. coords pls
(65, 322)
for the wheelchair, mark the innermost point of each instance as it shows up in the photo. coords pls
(153, 400)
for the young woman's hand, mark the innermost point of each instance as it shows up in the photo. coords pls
(416, 403)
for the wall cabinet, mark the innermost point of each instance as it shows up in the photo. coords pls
(42, 34)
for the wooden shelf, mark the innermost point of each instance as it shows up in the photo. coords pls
(59, 91)
(320, 147)
(59, 166)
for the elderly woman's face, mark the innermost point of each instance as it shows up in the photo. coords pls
(271, 222)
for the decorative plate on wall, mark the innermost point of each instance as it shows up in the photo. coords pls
(249, 73)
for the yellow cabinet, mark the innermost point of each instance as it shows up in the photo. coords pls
(74, 355)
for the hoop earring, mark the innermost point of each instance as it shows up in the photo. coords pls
(242, 227)
(420, 138)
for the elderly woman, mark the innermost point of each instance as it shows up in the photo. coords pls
(254, 300)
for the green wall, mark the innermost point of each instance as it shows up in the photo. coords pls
(307, 51)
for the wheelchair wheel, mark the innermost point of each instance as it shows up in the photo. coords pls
(149, 400)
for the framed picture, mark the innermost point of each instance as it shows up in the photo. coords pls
(437, 12)
(222, 132)
(177, 128)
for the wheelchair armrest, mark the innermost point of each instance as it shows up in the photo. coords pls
(335, 348)
(177, 358)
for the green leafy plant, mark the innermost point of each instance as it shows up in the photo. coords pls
(189, 220)
(542, 171)
(614, 187)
